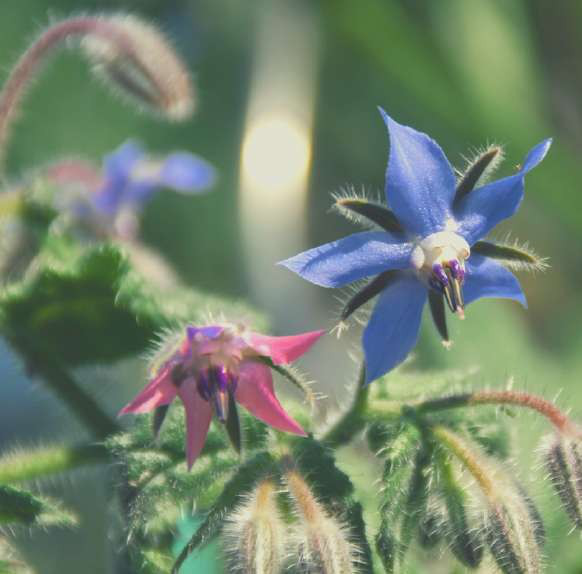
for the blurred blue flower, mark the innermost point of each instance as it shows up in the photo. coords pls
(424, 248)
(109, 201)
(131, 177)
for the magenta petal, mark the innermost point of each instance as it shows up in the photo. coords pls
(198, 416)
(160, 391)
(255, 392)
(284, 349)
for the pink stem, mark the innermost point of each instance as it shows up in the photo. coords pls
(15, 87)
(559, 419)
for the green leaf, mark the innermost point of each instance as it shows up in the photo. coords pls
(317, 464)
(71, 310)
(21, 507)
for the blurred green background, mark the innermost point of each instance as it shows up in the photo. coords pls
(466, 72)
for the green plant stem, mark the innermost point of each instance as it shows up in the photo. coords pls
(30, 465)
(64, 386)
(353, 420)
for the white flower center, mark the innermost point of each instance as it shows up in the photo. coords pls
(439, 259)
(440, 248)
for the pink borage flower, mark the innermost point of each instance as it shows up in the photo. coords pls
(214, 367)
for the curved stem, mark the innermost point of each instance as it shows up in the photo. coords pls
(518, 398)
(19, 79)
(353, 420)
(457, 446)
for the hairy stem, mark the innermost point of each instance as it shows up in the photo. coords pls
(30, 465)
(458, 447)
(353, 420)
(518, 398)
(25, 69)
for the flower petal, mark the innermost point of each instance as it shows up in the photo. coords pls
(487, 278)
(116, 170)
(198, 416)
(393, 327)
(158, 392)
(186, 172)
(420, 182)
(354, 257)
(482, 209)
(283, 350)
(255, 392)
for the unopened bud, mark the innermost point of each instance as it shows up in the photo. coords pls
(387, 546)
(511, 536)
(254, 534)
(430, 528)
(323, 541)
(139, 61)
(563, 459)
(462, 535)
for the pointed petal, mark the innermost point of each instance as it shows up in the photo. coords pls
(354, 257)
(186, 172)
(198, 416)
(393, 327)
(284, 350)
(420, 182)
(160, 391)
(116, 170)
(482, 209)
(255, 392)
(487, 278)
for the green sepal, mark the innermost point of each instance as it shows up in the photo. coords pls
(513, 255)
(292, 376)
(374, 212)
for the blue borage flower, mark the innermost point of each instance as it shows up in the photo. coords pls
(424, 250)
(130, 177)
(111, 198)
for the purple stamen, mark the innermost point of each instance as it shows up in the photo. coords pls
(456, 270)
(440, 275)
(203, 385)
(220, 377)
(214, 385)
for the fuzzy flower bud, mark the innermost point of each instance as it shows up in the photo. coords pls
(130, 53)
(323, 541)
(511, 535)
(140, 63)
(254, 535)
(562, 455)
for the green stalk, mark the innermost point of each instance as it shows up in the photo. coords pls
(66, 388)
(353, 420)
(30, 465)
